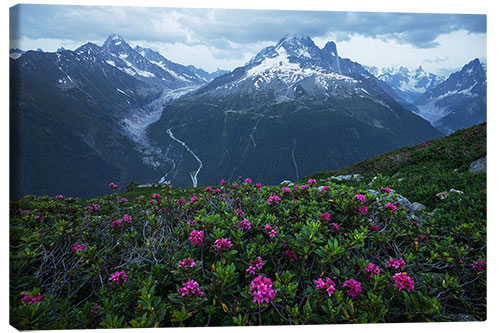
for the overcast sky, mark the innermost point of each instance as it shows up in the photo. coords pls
(223, 38)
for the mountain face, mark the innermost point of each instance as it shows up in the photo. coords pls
(15, 53)
(459, 102)
(292, 110)
(77, 117)
(409, 84)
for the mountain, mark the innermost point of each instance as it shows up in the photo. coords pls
(15, 53)
(459, 102)
(409, 84)
(77, 118)
(292, 110)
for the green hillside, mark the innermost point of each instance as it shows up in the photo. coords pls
(323, 251)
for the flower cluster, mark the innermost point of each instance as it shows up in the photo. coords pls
(354, 288)
(196, 237)
(255, 264)
(118, 276)
(30, 300)
(385, 189)
(262, 290)
(78, 247)
(187, 263)
(334, 226)
(479, 265)
(286, 190)
(360, 197)
(374, 227)
(325, 216)
(403, 281)
(272, 232)
(59, 197)
(223, 182)
(363, 209)
(190, 287)
(248, 180)
(113, 186)
(390, 206)
(223, 242)
(193, 199)
(245, 224)
(398, 263)
(273, 199)
(325, 284)
(156, 196)
(259, 185)
(290, 253)
(311, 182)
(123, 200)
(118, 223)
(372, 269)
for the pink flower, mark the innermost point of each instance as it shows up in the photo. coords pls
(372, 269)
(304, 187)
(272, 232)
(262, 290)
(118, 277)
(259, 185)
(385, 189)
(479, 265)
(113, 186)
(208, 189)
(254, 265)
(325, 216)
(193, 199)
(223, 182)
(59, 197)
(239, 212)
(325, 284)
(78, 247)
(403, 281)
(245, 224)
(187, 263)
(363, 209)
(311, 182)
(335, 226)
(325, 188)
(30, 300)
(116, 224)
(273, 199)
(415, 223)
(126, 218)
(123, 200)
(398, 263)
(374, 227)
(152, 202)
(354, 288)
(216, 191)
(390, 206)
(190, 287)
(196, 237)
(156, 196)
(360, 197)
(180, 202)
(39, 218)
(286, 190)
(248, 180)
(223, 242)
(290, 253)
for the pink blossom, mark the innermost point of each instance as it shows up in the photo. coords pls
(479, 265)
(193, 199)
(180, 202)
(196, 237)
(335, 226)
(223, 182)
(286, 190)
(187, 263)
(123, 200)
(363, 209)
(325, 284)
(272, 232)
(116, 224)
(239, 212)
(390, 206)
(152, 202)
(248, 180)
(245, 224)
(311, 182)
(156, 196)
(290, 253)
(223, 242)
(403, 281)
(254, 265)
(113, 186)
(385, 189)
(398, 263)
(30, 300)
(354, 288)
(360, 197)
(372, 269)
(118, 276)
(59, 197)
(273, 199)
(39, 218)
(325, 188)
(190, 287)
(259, 185)
(208, 189)
(216, 191)
(126, 218)
(374, 227)
(78, 247)
(304, 187)
(325, 216)
(262, 290)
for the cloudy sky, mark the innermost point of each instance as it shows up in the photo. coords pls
(224, 38)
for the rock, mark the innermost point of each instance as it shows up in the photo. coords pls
(418, 207)
(456, 191)
(356, 177)
(286, 182)
(372, 192)
(405, 202)
(400, 180)
(442, 195)
(478, 166)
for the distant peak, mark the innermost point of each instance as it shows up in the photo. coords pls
(295, 39)
(331, 47)
(114, 39)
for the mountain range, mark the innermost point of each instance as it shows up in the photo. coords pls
(81, 119)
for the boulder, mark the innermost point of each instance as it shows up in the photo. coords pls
(356, 177)
(478, 166)
(442, 195)
(418, 207)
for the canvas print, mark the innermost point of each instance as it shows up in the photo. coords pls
(219, 167)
